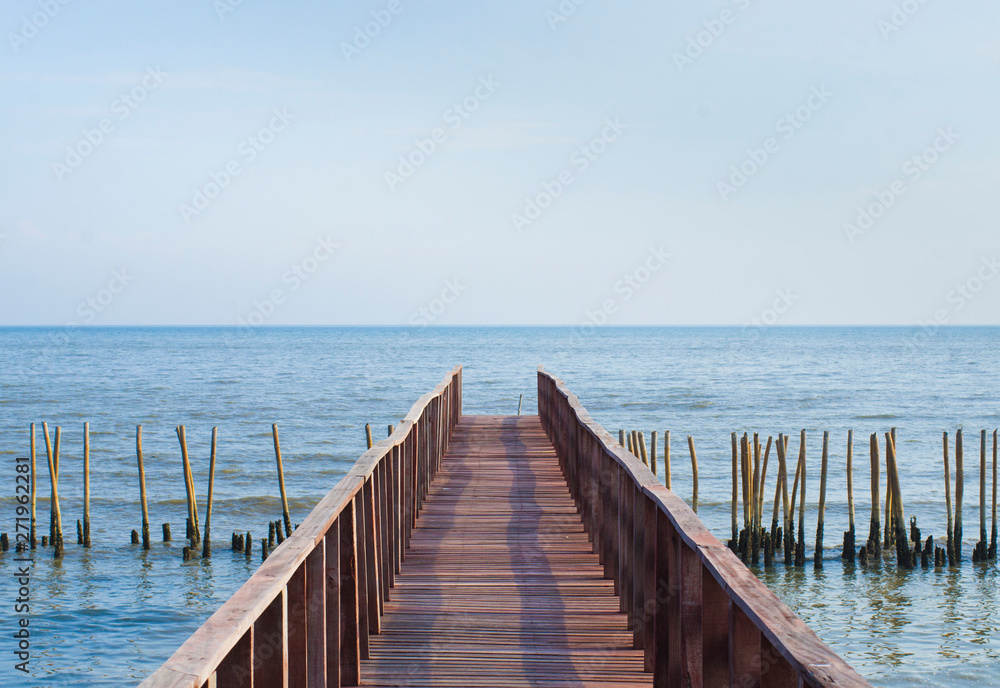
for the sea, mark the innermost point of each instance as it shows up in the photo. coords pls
(111, 614)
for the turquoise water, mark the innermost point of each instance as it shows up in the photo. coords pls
(110, 615)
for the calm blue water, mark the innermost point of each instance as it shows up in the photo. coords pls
(110, 615)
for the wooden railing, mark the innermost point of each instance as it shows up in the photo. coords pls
(702, 618)
(305, 616)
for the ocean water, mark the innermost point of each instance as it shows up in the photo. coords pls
(110, 615)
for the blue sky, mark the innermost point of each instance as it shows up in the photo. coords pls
(646, 111)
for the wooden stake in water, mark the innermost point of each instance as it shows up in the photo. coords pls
(800, 553)
(368, 434)
(391, 430)
(142, 488)
(818, 556)
(777, 489)
(86, 484)
(982, 494)
(621, 437)
(959, 492)
(53, 470)
(207, 547)
(848, 552)
(694, 474)
(193, 528)
(874, 531)
(281, 475)
(736, 496)
(947, 503)
(763, 480)
(993, 536)
(57, 514)
(666, 458)
(519, 404)
(754, 491)
(904, 556)
(34, 483)
(652, 451)
(642, 449)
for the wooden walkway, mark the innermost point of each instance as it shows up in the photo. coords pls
(500, 585)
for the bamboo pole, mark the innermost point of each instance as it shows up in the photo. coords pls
(192, 527)
(763, 480)
(391, 430)
(621, 437)
(86, 484)
(993, 536)
(800, 552)
(635, 447)
(652, 451)
(904, 556)
(33, 542)
(368, 435)
(786, 534)
(207, 546)
(642, 448)
(982, 493)
(694, 474)
(959, 492)
(666, 459)
(53, 456)
(53, 472)
(754, 535)
(142, 487)
(818, 556)
(947, 503)
(519, 404)
(849, 536)
(736, 529)
(890, 533)
(281, 476)
(777, 489)
(755, 485)
(745, 478)
(631, 447)
(874, 533)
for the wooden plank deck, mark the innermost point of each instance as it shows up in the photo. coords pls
(500, 586)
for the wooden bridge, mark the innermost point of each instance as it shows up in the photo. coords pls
(502, 551)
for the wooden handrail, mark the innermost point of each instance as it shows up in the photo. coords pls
(702, 618)
(304, 617)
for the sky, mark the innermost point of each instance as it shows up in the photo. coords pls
(413, 162)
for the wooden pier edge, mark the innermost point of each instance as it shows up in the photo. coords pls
(258, 636)
(679, 616)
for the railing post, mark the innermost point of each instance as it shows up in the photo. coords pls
(744, 649)
(295, 615)
(663, 654)
(690, 570)
(332, 619)
(396, 502)
(382, 548)
(361, 562)
(639, 617)
(351, 626)
(775, 671)
(626, 531)
(236, 670)
(270, 649)
(714, 630)
(315, 626)
(651, 603)
(373, 587)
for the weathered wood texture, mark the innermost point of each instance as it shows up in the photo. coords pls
(501, 586)
(688, 575)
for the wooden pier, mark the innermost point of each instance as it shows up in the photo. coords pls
(502, 551)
